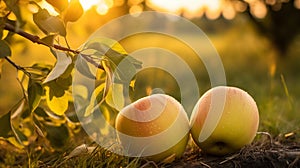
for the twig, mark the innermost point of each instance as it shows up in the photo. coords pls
(267, 134)
(149, 163)
(37, 39)
(294, 162)
(90, 60)
(18, 67)
(286, 153)
(229, 158)
(204, 164)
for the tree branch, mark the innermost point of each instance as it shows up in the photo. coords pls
(18, 67)
(37, 39)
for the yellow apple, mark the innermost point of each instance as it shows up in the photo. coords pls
(154, 127)
(224, 120)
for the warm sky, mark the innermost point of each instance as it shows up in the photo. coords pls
(190, 8)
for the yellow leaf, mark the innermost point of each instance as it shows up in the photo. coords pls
(74, 11)
(96, 98)
(60, 5)
(113, 44)
(13, 141)
(81, 90)
(58, 105)
(104, 127)
(115, 97)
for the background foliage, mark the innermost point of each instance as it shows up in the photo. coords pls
(44, 109)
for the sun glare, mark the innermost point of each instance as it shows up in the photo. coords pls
(190, 7)
(212, 9)
(87, 4)
(102, 6)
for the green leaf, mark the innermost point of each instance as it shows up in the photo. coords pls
(137, 64)
(55, 90)
(39, 112)
(8, 129)
(42, 67)
(81, 96)
(58, 105)
(115, 96)
(14, 6)
(37, 128)
(57, 135)
(39, 71)
(19, 135)
(5, 50)
(80, 90)
(49, 40)
(108, 80)
(104, 44)
(124, 71)
(49, 24)
(5, 125)
(58, 87)
(83, 67)
(62, 63)
(68, 71)
(107, 113)
(114, 57)
(35, 92)
(64, 83)
(96, 98)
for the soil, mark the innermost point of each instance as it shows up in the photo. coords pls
(267, 153)
(280, 152)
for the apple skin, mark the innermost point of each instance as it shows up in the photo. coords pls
(236, 127)
(159, 117)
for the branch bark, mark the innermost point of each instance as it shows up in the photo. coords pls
(18, 67)
(37, 40)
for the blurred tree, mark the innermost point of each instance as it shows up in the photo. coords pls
(277, 20)
(281, 24)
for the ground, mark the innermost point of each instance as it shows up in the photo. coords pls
(265, 151)
(259, 154)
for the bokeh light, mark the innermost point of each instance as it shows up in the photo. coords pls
(212, 9)
(87, 4)
(102, 6)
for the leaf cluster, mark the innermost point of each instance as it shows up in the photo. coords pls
(46, 108)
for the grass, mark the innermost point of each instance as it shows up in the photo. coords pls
(249, 64)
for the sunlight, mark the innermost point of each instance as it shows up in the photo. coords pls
(192, 7)
(45, 5)
(212, 9)
(87, 4)
(102, 6)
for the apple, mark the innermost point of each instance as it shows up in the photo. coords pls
(224, 120)
(155, 127)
